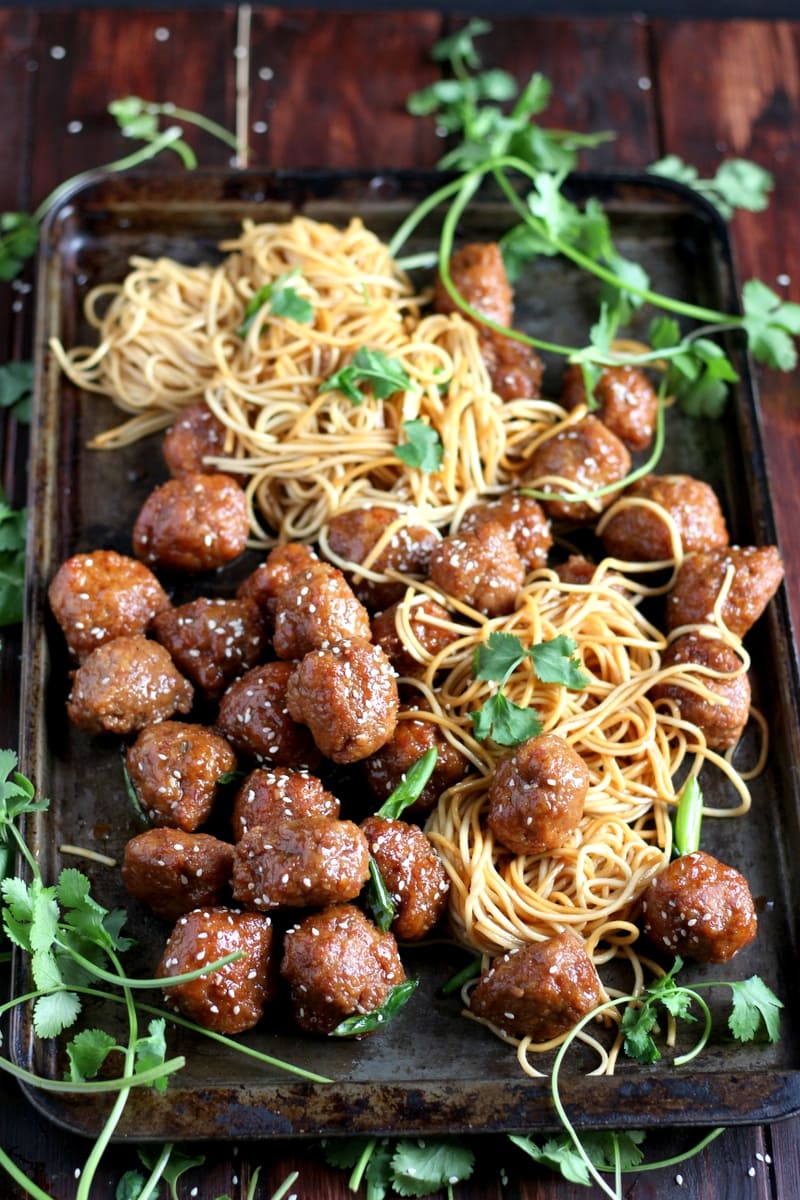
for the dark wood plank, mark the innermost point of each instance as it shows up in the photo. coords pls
(336, 87)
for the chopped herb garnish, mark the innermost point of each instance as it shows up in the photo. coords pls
(281, 299)
(423, 449)
(374, 368)
(408, 1167)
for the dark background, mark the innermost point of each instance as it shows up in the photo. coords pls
(766, 9)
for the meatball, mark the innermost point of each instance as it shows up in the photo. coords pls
(430, 625)
(300, 863)
(280, 794)
(232, 998)
(195, 435)
(253, 716)
(699, 908)
(175, 769)
(537, 794)
(479, 275)
(627, 402)
(481, 568)
(347, 695)
(587, 455)
(352, 535)
(125, 685)
(540, 991)
(387, 767)
(757, 575)
(638, 534)
(195, 523)
(213, 642)
(315, 608)
(337, 965)
(576, 569)
(102, 595)
(722, 722)
(282, 564)
(172, 873)
(413, 873)
(523, 520)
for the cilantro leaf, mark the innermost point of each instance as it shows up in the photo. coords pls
(428, 1165)
(498, 656)
(363, 1023)
(55, 1012)
(737, 183)
(384, 375)
(13, 528)
(637, 1025)
(770, 324)
(151, 1051)
(460, 44)
(560, 1154)
(130, 1186)
(177, 1165)
(556, 661)
(755, 1007)
(19, 237)
(281, 299)
(423, 449)
(16, 384)
(87, 1052)
(505, 722)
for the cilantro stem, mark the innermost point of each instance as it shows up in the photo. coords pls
(162, 142)
(682, 1059)
(91, 1086)
(157, 1172)
(678, 1158)
(290, 1179)
(421, 210)
(193, 118)
(19, 1177)
(122, 980)
(354, 1182)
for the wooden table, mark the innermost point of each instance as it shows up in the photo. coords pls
(328, 90)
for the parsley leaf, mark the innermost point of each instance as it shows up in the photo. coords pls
(769, 323)
(384, 375)
(755, 1007)
(423, 449)
(16, 384)
(556, 661)
(426, 1165)
(281, 299)
(363, 1023)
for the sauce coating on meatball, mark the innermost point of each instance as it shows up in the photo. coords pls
(699, 908)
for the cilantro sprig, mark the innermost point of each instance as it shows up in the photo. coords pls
(496, 659)
(16, 385)
(737, 183)
(369, 368)
(404, 1167)
(281, 299)
(13, 532)
(422, 448)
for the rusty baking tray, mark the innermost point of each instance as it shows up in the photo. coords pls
(430, 1070)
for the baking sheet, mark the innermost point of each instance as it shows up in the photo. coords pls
(430, 1070)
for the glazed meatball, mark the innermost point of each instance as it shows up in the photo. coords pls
(282, 564)
(213, 642)
(480, 567)
(172, 873)
(540, 991)
(347, 695)
(588, 455)
(253, 716)
(638, 534)
(315, 608)
(270, 797)
(387, 767)
(721, 722)
(479, 275)
(626, 399)
(337, 965)
(576, 569)
(175, 769)
(306, 863)
(196, 435)
(757, 575)
(430, 625)
(699, 908)
(514, 367)
(232, 998)
(523, 520)
(195, 523)
(102, 595)
(413, 873)
(352, 536)
(125, 685)
(537, 795)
